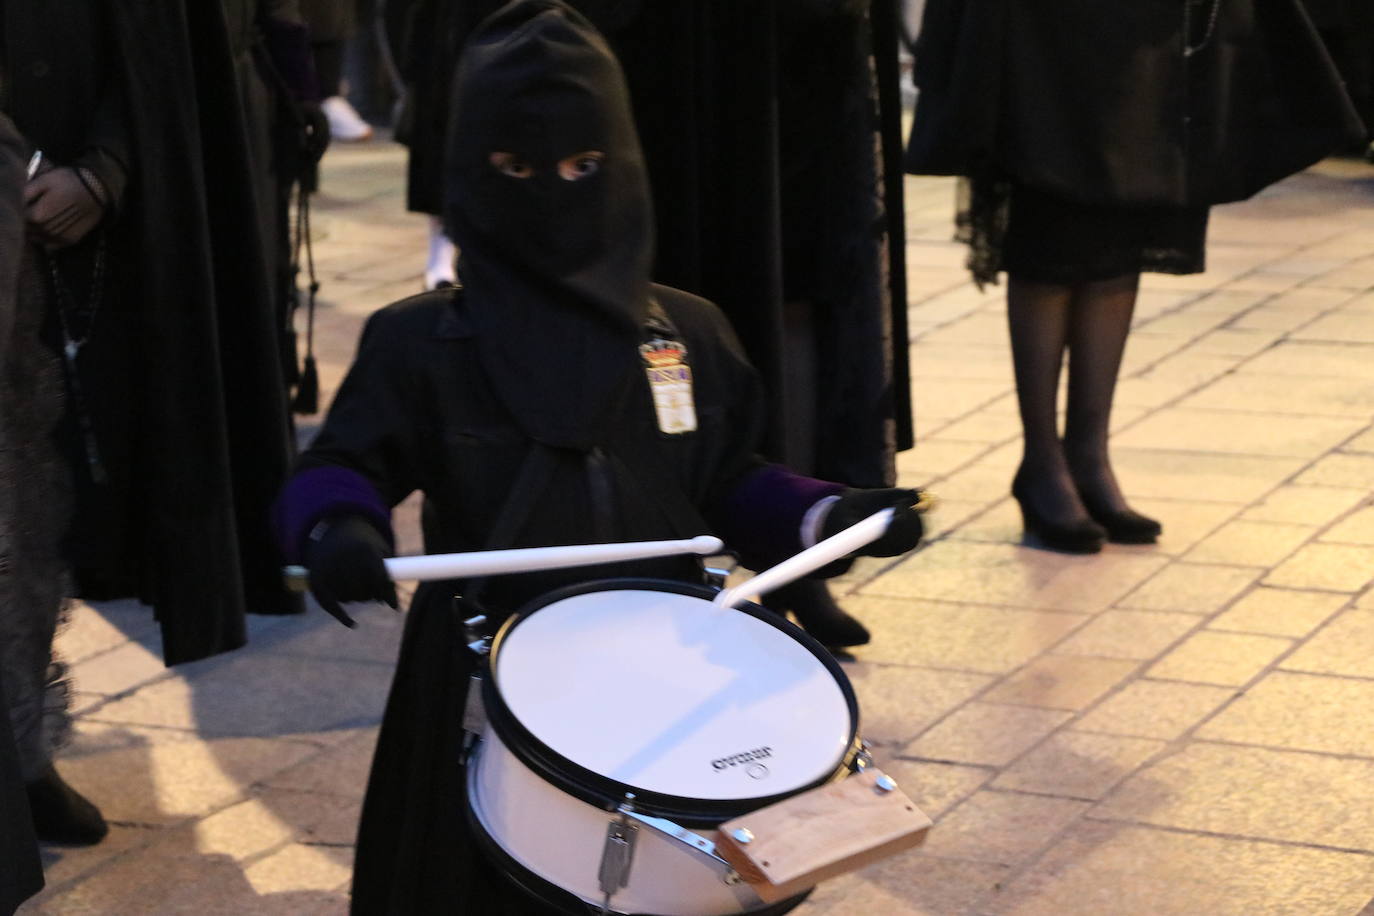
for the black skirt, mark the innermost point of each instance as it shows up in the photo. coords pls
(1054, 240)
(1042, 237)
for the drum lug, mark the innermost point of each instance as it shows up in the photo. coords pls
(717, 574)
(618, 854)
(864, 758)
(475, 634)
(474, 716)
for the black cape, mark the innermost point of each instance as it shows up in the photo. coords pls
(1101, 105)
(210, 441)
(21, 872)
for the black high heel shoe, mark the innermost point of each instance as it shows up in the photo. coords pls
(1124, 526)
(1108, 508)
(817, 613)
(1085, 536)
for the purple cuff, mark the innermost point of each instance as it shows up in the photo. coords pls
(324, 492)
(765, 512)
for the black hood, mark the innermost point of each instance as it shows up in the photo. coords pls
(556, 265)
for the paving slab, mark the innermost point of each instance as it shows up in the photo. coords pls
(1078, 764)
(973, 638)
(1309, 799)
(1061, 682)
(1279, 612)
(1210, 657)
(1137, 871)
(1003, 828)
(1155, 709)
(1302, 712)
(986, 734)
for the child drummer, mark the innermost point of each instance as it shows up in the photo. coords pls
(558, 398)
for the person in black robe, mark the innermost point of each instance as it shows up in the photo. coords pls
(57, 67)
(1096, 139)
(142, 288)
(333, 24)
(1347, 27)
(272, 52)
(519, 406)
(22, 874)
(143, 278)
(195, 429)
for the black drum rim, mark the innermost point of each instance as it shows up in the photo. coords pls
(606, 793)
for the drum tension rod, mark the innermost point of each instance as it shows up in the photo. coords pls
(618, 855)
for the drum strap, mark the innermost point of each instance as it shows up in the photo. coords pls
(535, 473)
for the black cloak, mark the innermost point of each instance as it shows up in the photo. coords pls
(1138, 104)
(207, 442)
(21, 872)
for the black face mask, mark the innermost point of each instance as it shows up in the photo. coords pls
(548, 199)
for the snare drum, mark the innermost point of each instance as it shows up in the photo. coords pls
(627, 719)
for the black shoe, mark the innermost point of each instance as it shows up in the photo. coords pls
(61, 814)
(1126, 526)
(818, 614)
(1084, 536)
(1108, 508)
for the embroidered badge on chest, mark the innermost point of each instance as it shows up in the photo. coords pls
(670, 381)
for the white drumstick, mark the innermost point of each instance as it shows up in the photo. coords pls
(528, 559)
(833, 548)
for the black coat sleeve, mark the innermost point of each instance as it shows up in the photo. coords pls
(374, 427)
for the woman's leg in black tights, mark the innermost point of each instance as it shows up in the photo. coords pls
(1038, 316)
(1099, 321)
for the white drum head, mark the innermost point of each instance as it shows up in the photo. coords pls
(666, 693)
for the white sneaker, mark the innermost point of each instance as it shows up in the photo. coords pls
(443, 255)
(344, 121)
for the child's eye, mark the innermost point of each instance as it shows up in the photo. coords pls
(582, 165)
(511, 165)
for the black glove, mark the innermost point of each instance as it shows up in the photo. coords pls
(344, 557)
(854, 506)
(61, 207)
(314, 132)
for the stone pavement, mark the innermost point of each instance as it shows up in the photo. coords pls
(1154, 731)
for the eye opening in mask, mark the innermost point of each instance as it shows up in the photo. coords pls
(581, 165)
(512, 165)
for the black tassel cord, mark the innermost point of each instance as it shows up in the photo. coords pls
(307, 399)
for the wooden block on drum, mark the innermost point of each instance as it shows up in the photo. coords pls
(821, 834)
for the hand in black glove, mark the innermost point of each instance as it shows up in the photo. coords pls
(314, 132)
(854, 506)
(344, 557)
(61, 210)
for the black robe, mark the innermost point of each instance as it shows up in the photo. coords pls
(772, 132)
(209, 441)
(21, 873)
(416, 412)
(1101, 105)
